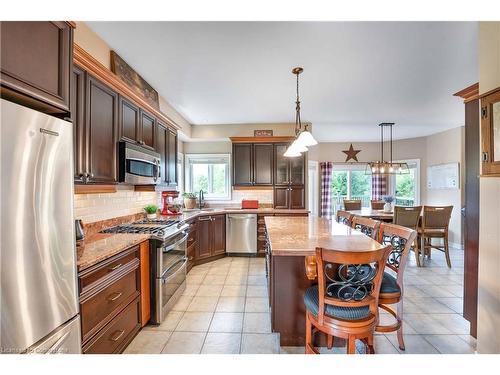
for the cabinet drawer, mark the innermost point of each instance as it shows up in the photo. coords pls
(99, 305)
(118, 333)
(116, 264)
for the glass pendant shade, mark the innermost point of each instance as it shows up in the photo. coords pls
(306, 139)
(291, 152)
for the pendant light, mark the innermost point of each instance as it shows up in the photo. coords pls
(304, 138)
(383, 167)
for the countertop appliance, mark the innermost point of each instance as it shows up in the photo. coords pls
(168, 261)
(138, 166)
(249, 204)
(39, 294)
(241, 233)
(169, 208)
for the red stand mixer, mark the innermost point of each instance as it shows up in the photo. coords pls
(169, 208)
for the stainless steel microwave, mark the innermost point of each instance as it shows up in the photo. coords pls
(138, 166)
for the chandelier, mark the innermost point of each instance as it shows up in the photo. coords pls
(383, 167)
(303, 137)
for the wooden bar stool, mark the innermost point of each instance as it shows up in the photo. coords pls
(435, 223)
(377, 205)
(344, 303)
(409, 217)
(344, 217)
(366, 226)
(401, 240)
(352, 204)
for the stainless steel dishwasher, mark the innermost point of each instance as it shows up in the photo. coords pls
(241, 233)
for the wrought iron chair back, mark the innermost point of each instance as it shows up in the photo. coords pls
(349, 279)
(366, 226)
(344, 217)
(401, 240)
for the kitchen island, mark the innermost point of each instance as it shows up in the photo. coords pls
(291, 240)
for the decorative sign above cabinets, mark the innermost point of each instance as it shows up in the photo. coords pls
(262, 133)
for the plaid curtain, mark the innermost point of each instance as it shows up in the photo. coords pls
(379, 186)
(326, 189)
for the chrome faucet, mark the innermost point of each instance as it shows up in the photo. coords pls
(201, 200)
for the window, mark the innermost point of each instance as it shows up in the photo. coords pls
(210, 173)
(405, 187)
(350, 182)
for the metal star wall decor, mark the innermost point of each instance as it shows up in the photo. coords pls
(351, 154)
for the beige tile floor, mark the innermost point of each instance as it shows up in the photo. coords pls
(225, 310)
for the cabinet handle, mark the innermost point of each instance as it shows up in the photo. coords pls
(191, 258)
(114, 296)
(205, 219)
(116, 336)
(115, 267)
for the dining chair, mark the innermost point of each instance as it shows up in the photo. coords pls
(435, 223)
(352, 204)
(401, 240)
(366, 226)
(344, 303)
(377, 205)
(344, 217)
(409, 217)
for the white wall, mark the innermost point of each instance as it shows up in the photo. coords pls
(488, 319)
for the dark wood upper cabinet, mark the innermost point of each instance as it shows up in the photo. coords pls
(490, 134)
(101, 130)
(161, 148)
(288, 171)
(172, 158)
(166, 146)
(77, 106)
(36, 64)
(263, 164)
(289, 197)
(281, 168)
(129, 121)
(147, 133)
(242, 164)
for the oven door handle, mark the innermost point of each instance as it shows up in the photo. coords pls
(170, 247)
(167, 279)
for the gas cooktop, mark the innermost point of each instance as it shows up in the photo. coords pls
(158, 227)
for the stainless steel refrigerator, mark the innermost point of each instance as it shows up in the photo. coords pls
(39, 297)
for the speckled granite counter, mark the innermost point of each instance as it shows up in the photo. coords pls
(102, 246)
(188, 215)
(301, 235)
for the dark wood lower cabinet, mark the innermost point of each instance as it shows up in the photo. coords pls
(110, 302)
(289, 197)
(211, 239)
(115, 337)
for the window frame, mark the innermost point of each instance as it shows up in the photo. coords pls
(392, 180)
(191, 159)
(349, 168)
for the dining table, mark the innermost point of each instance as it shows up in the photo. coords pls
(371, 213)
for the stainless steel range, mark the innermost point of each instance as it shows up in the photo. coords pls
(168, 261)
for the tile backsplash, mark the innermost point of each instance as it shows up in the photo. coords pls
(96, 207)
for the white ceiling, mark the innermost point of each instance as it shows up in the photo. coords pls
(356, 74)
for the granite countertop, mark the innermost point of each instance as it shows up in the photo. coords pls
(188, 215)
(101, 246)
(299, 236)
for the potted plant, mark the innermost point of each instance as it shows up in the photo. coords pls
(388, 199)
(189, 200)
(151, 210)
